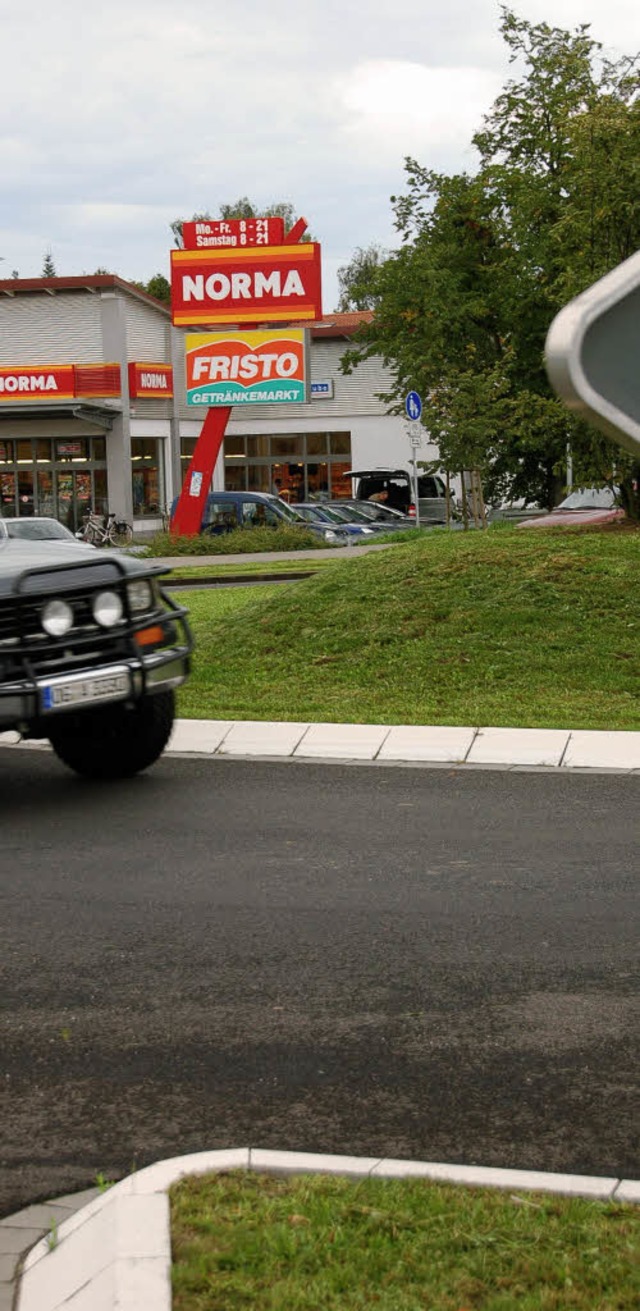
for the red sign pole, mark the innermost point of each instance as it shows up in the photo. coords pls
(191, 502)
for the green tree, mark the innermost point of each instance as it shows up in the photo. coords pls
(48, 266)
(357, 279)
(488, 259)
(159, 287)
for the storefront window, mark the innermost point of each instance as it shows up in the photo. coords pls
(259, 480)
(8, 493)
(288, 465)
(74, 450)
(257, 446)
(316, 443)
(291, 445)
(146, 476)
(76, 477)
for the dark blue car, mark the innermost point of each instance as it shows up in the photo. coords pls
(225, 511)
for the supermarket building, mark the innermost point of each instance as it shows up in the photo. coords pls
(93, 409)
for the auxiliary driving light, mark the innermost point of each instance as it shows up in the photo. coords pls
(140, 595)
(56, 618)
(107, 609)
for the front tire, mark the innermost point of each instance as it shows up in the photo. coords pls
(115, 741)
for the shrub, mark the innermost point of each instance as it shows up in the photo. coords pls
(241, 541)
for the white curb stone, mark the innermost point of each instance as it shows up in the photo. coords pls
(439, 744)
(518, 746)
(115, 1253)
(259, 738)
(202, 736)
(342, 741)
(589, 750)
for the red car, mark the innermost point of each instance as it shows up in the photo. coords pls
(591, 505)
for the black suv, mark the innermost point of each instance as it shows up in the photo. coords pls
(91, 649)
(224, 511)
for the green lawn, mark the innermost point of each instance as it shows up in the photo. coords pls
(507, 627)
(323, 1243)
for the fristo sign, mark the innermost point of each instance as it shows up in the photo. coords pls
(268, 284)
(247, 368)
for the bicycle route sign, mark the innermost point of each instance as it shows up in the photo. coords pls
(413, 405)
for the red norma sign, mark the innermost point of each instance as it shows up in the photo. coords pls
(271, 284)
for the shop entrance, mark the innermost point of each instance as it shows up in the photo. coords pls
(73, 496)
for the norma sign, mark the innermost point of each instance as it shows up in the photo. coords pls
(211, 234)
(247, 368)
(593, 354)
(28, 382)
(253, 285)
(47, 382)
(150, 380)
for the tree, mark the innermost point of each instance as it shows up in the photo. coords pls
(242, 208)
(488, 259)
(48, 266)
(159, 287)
(357, 280)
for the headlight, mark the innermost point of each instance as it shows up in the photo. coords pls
(107, 609)
(140, 595)
(56, 618)
(330, 535)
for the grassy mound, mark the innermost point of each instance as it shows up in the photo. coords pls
(513, 628)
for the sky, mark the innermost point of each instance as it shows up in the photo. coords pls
(116, 119)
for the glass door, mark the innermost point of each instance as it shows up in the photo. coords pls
(73, 493)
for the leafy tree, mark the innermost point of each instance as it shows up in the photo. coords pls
(357, 280)
(488, 259)
(242, 208)
(48, 266)
(159, 287)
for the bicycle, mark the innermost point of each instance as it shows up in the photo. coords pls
(111, 531)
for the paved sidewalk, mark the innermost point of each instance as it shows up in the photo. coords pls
(397, 744)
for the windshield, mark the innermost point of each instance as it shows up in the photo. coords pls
(286, 511)
(589, 498)
(37, 530)
(349, 514)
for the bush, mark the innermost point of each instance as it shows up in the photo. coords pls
(241, 541)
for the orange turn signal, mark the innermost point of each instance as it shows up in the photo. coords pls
(150, 636)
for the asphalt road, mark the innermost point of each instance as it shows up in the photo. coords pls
(421, 963)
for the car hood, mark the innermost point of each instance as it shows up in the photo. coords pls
(83, 569)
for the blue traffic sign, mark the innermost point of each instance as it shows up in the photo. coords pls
(413, 405)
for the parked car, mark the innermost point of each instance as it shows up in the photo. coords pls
(320, 513)
(591, 505)
(514, 511)
(224, 511)
(91, 650)
(397, 484)
(41, 529)
(382, 516)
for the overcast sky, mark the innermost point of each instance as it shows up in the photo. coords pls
(116, 119)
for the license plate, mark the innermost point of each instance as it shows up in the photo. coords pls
(81, 690)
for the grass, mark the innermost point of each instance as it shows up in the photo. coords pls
(325, 1243)
(507, 627)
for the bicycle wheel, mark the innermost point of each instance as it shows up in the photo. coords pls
(120, 533)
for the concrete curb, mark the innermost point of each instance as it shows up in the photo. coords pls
(115, 1252)
(397, 744)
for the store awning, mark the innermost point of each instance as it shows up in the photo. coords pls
(95, 412)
